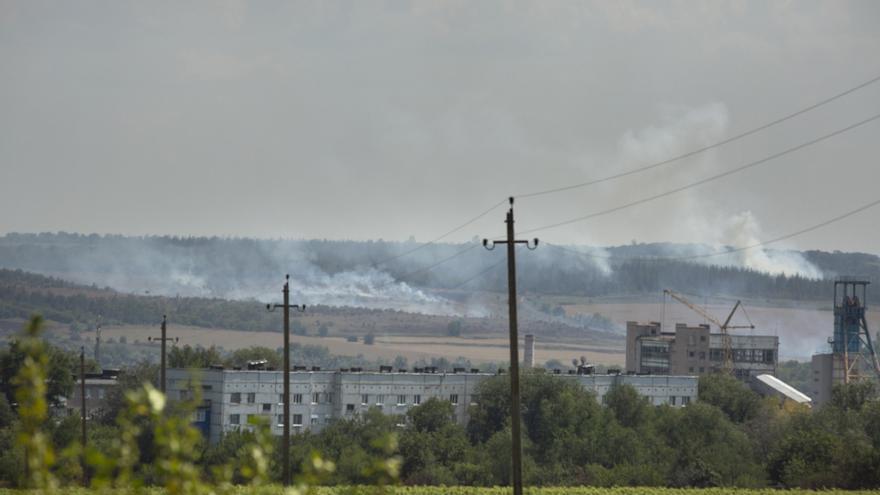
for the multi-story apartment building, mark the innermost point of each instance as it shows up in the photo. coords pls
(695, 350)
(98, 388)
(230, 397)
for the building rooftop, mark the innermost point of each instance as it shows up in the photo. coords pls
(783, 389)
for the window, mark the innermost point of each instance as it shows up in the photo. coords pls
(297, 420)
(365, 399)
(702, 369)
(279, 418)
(199, 416)
(702, 338)
(380, 400)
(671, 400)
(401, 400)
(329, 397)
(349, 408)
(691, 369)
(281, 398)
(235, 419)
(251, 397)
(183, 394)
(702, 355)
(453, 398)
(417, 399)
(267, 407)
(235, 398)
(100, 393)
(313, 420)
(654, 356)
(316, 397)
(685, 400)
(690, 353)
(88, 393)
(297, 398)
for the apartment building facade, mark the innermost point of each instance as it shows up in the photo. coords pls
(229, 398)
(695, 350)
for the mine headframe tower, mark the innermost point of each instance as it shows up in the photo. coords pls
(851, 343)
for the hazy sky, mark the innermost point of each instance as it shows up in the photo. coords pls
(385, 119)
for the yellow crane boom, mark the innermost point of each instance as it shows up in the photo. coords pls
(727, 346)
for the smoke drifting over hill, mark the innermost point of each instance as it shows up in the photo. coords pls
(345, 273)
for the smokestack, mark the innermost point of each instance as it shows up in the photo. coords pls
(529, 354)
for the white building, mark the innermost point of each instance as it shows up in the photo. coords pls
(230, 397)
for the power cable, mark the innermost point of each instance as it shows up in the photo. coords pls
(732, 250)
(707, 179)
(434, 240)
(705, 148)
(477, 275)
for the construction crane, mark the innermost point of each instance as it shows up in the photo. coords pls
(726, 344)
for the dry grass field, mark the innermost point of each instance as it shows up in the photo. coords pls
(477, 350)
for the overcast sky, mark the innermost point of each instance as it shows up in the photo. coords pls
(386, 119)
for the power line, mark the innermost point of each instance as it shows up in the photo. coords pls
(438, 263)
(438, 238)
(732, 250)
(705, 148)
(477, 275)
(707, 179)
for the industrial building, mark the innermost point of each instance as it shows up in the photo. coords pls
(852, 356)
(230, 397)
(695, 350)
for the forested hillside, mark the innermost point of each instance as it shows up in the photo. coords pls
(390, 274)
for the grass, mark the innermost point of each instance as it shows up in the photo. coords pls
(466, 490)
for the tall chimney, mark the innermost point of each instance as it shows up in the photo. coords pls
(529, 354)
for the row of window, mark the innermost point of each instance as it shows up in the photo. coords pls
(327, 398)
(296, 419)
(99, 394)
(251, 397)
(766, 356)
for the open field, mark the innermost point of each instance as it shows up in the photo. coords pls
(477, 350)
(468, 490)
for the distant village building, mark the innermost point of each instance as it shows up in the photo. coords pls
(98, 388)
(696, 351)
(230, 397)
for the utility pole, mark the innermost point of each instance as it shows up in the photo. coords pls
(285, 449)
(515, 419)
(163, 339)
(98, 343)
(82, 393)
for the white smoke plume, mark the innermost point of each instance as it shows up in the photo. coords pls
(743, 230)
(693, 215)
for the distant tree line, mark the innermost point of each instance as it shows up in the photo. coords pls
(225, 263)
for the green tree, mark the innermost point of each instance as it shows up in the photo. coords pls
(61, 367)
(730, 395)
(240, 357)
(453, 329)
(193, 357)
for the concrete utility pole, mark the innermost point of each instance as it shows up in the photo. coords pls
(163, 339)
(83, 412)
(285, 449)
(515, 419)
(98, 342)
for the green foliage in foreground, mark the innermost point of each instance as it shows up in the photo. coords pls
(469, 490)
(728, 438)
